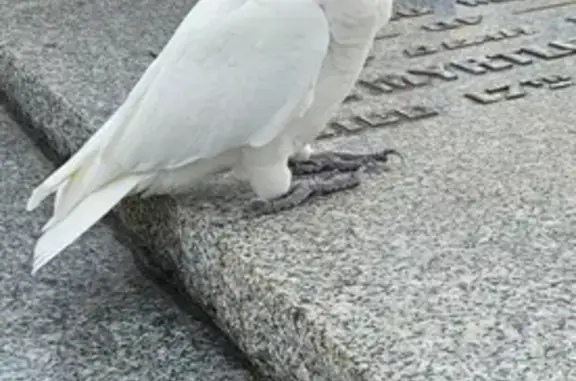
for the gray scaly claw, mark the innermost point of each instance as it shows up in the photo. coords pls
(298, 193)
(340, 162)
(303, 191)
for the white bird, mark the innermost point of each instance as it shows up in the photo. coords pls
(242, 85)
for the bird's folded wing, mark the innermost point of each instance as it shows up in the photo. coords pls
(232, 83)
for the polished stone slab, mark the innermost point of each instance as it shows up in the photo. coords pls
(91, 316)
(458, 266)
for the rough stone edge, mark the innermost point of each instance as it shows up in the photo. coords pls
(25, 91)
(302, 344)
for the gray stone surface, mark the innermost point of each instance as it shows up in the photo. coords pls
(92, 316)
(459, 267)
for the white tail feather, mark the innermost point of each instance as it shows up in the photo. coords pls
(57, 203)
(81, 218)
(48, 224)
(60, 175)
(63, 173)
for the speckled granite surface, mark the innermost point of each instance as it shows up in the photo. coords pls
(92, 316)
(459, 267)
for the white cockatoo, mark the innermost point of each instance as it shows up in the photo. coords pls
(242, 85)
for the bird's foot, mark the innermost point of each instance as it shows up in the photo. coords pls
(339, 162)
(303, 190)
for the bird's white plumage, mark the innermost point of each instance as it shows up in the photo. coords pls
(221, 83)
(232, 84)
(242, 84)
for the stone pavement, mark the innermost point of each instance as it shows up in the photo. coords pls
(459, 266)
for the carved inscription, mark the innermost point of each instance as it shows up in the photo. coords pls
(360, 123)
(559, 50)
(353, 97)
(369, 59)
(413, 78)
(516, 90)
(456, 23)
(411, 12)
(472, 3)
(423, 76)
(544, 7)
(388, 83)
(461, 43)
(481, 65)
(514, 58)
(475, 3)
(420, 50)
(386, 36)
(435, 71)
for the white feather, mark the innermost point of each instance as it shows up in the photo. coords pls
(80, 219)
(225, 81)
(237, 83)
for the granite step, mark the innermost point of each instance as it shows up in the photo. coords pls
(92, 316)
(459, 265)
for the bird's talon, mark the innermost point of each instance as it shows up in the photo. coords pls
(340, 162)
(300, 192)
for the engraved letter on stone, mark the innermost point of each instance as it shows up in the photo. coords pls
(437, 71)
(420, 50)
(497, 93)
(375, 120)
(479, 65)
(560, 50)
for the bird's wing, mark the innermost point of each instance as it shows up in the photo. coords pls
(232, 83)
(204, 13)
